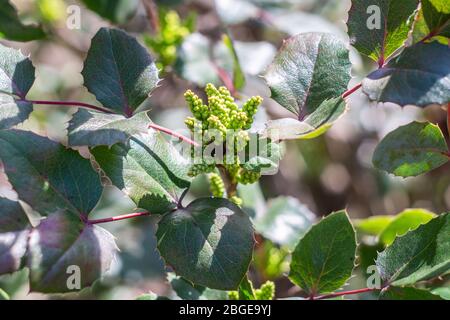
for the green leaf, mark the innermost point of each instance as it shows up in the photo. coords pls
(148, 169)
(13, 29)
(411, 150)
(119, 71)
(373, 225)
(3, 295)
(405, 221)
(284, 221)
(62, 241)
(430, 22)
(246, 291)
(419, 76)
(238, 73)
(209, 243)
(324, 258)
(187, 291)
(407, 293)
(96, 129)
(151, 296)
(441, 5)
(309, 69)
(380, 39)
(266, 160)
(14, 231)
(117, 11)
(421, 254)
(443, 292)
(48, 176)
(316, 124)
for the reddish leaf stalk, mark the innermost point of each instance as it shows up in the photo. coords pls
(351, 91)
(173, 134)
(117, 218)
(226, 79)
(344, 293)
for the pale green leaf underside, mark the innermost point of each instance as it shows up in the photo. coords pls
(96, 129)
(324, 258)
(148, 169)
(421, 254)
(403, 222)
(379, 39)
(411, 150)
(210, 243)
(309, 69)
(316, 124)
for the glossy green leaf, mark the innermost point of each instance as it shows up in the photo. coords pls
(48, 176)
(246, 291)
(419, 76)
(407, 293)
(63, 245)
(210, 243)
(430, 22)
(309, 69)
(324, 258)
(421, 254)
(13, 29)
(284, 221)
(405, 221)
(315, 124)
(373, 225)
(443, 292)
(14, 231)
(378, 28)
(96, 129)
(116, 11)
(411, 150)
(119, 71)
(148, 169)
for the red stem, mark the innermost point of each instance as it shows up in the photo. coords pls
(352, 90)
(68, 103)
(173, 134)
(344, 293)
(117, 218)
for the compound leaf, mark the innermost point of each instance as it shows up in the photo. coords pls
(63, 245)
(119, 71)
(210, 243)
(47, 175)
(324, 258)
(378, 28)
(148, 169)
(419, 76)
(14, 231)
(309, 69)
(421, 254)
(92, 129)
(411, 150)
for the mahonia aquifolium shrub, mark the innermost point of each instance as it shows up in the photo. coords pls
(173, 30)
(218, 121)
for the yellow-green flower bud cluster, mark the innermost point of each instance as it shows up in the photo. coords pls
(216, 185)
(248, 177)
(266, 292)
